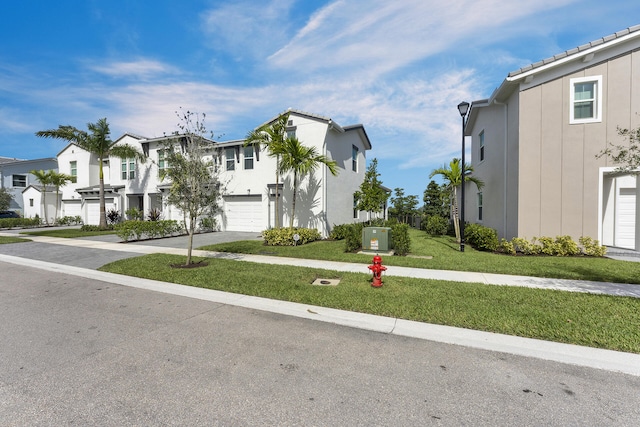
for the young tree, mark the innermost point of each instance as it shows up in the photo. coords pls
(194, 183)
(627, 156)
(371, 196)
(436, 199)
(271, 136)
(95, 141)
(301, 160)
(403, 206)
(44, 178)
(5, 198)
(452, 176)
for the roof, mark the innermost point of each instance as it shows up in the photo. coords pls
(564, 63)
(7, 161)
(579, 50)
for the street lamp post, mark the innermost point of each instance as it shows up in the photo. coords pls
(463, 108)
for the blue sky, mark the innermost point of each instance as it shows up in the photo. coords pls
(398, 67)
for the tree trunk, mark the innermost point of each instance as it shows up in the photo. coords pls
(277, 223)
(293, 204)
(456, 218)
(103, 213)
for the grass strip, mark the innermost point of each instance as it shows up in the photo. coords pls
(583, 319)
(7, 239)
(68, 233)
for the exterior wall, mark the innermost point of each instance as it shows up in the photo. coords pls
(341, 188)
(87, 171)
(35, 195)
(22, 167)
(498, 170)
(559, 171)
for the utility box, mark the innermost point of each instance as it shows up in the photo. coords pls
(377, 239)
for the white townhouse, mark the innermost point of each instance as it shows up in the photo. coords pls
(247, 177)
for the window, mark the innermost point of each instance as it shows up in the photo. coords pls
(229, 154)
(19, 180)
(128, 169)
(162, 161)
(31, 202)
(481, 145)
(73, 167)
(248, 157)
(586, 100)
(354, 158)
(479, 206)
(355, 207)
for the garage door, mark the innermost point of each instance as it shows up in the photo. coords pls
(72, 208)
(243, 213)
(626, 218)
(93, 210)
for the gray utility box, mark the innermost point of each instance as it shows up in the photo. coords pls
(377, 239)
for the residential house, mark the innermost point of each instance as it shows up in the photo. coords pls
(15, 176)
(246, 174)
(535, 143)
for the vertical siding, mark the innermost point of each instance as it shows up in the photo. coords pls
(529, 163)
(552, 156)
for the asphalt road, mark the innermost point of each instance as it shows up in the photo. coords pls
(76, 351)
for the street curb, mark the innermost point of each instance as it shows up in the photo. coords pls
(628, 363)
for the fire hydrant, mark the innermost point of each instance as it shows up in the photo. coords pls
(377, 268)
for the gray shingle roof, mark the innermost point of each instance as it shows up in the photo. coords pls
(582, 48)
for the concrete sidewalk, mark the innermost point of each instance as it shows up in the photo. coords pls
(564, 353)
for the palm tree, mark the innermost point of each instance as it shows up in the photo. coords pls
(44, 178)
(301, 160)
(272, 136)
(452, 176)
(59, 180)
(97, 142)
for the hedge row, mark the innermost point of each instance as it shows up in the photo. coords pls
(486, 239)
(19, 222)
(138, 230)
(284, 236)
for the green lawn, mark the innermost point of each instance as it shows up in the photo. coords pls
(4, 240)
(446, 256)
(67, 233)
(583, 319)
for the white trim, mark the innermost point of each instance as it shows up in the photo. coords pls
(597, 101)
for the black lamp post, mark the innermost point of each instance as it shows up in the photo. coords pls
(463, 108)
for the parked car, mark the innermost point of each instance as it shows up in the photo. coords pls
(9, 214)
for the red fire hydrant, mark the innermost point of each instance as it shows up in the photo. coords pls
(377, 268)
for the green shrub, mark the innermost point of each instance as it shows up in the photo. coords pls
(526, 247)
(137, 230)
(134, 214)
(70, 220)
(339, 232)
(284, 236)
(208, 223)
(436, 225)
(506, 247)
(400, 239)
(353, 238)
(480, 237)
(592, 247)
(20, 222)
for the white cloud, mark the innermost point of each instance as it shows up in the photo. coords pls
(142, 68)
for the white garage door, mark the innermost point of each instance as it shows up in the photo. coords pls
(243, 213)
(626, 218)
(72, 208)
(93, 210)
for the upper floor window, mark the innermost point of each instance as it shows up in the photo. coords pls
(128, 169)
(162, 161)
(230, 155)
(481, 136)
(248, 157)
(586, 100)
(19, 180)
(354, 158)
(73, 168)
